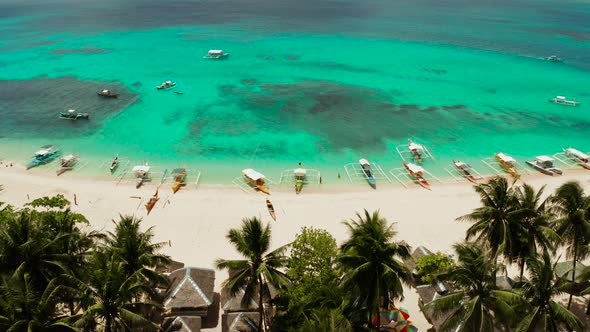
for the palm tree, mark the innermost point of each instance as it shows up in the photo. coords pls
(372, 274)
(572, 208)
(544, 314)
(260, 268)
(476, 304)
(137, 250)
(114, 295)
(24, 308)
(492, 221)
(326, 320)
(535, 233)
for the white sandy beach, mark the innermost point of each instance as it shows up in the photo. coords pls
(196, 220)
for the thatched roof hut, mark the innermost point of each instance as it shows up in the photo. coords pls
(191, 291)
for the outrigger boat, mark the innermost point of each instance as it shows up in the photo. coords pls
(114, 164)
(544, 165)
(107, 94)
(256, 179)
(579, 157)
(416, 149)
(216, 55)
(67, 163)
(271, 210)
(43, 156)
(466, 171)
(141, 174)
(300, 174)
(417, 173)
(166, 85)
(74, 115)
(368, 172)
(152, 202)
(508, 163)
(564, 101)
(179, 177)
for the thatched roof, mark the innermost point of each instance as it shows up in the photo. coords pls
(184, 324)
(191, 288)
(239, 322)
(174, 265)
(234, 303)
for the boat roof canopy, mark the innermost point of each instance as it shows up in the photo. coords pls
(43, 151)
(415, 146)
(300, 171)
(215, 51)
(415, 168)
(105, 91)
(544, 158)
(577, 153)
(252, 174)
(364, 162)
(72, 111)
(560, 97)
(141, 168)
(68, 157)
(505, 157)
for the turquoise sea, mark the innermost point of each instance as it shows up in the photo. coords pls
(323, 82)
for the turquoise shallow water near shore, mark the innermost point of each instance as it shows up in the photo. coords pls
(325, 90)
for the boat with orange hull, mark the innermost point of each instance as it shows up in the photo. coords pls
(417, 173)
(579, 157)
(508, 164)
(256, 179)
(152, 202)
(416, 149)
(466, 171)
(179, 178)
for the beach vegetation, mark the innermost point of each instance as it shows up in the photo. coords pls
(543, 313)
(373, 274)
(572, 223)
(429, 267)
(476, 303)
(261, 269)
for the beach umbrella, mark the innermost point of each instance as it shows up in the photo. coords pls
(386, 316)
(405, 326)
(405, 313)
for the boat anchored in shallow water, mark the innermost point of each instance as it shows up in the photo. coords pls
(544, 164)
(467, 171)
(74, 115)
(216, 55)
(107, 94)
(44, 155)
(554, 58)
(417, 173)
(179, 175)
(256, 180)
(67, 163)
(564, 101)
(508, 164)
(166, 85)
(579, 157)
(141, 174)
(368, 172)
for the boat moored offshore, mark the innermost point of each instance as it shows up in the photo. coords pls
(216, 55)
(564, 101)
(107, 94)
(368, 172)
(74, 115)
(166, 85)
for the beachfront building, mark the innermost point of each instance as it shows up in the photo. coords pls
(191, 303)
(236, 316)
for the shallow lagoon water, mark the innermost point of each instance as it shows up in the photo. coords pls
(324, 84)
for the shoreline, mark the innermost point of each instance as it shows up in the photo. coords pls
(195, 221)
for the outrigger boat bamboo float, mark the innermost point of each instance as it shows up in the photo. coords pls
(44, 155)
(271, 210)
(256, 180)
(417, 173)
(579, 157)
(508, 164)
(152, 202)
(466, 171)
(141, 174)
(67, 163)
(544, 164)
(114, 164)
(179, 178)
(368, 172)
